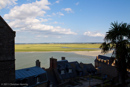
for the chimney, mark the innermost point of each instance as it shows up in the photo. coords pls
(44, 68)
(97, 57)
(62, 58)
(38, 63)
(81, 64)
(53, 63)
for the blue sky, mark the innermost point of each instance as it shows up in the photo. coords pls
(44, 21)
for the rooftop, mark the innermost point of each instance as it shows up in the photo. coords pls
(27, 72)
(103, 57)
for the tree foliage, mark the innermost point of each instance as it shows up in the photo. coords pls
(118, 39)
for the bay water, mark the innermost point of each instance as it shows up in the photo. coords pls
(27, 59)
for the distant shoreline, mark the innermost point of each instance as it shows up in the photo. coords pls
(65, 43)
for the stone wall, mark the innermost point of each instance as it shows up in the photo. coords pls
(7, 71)
(109, 70)
(7, 54)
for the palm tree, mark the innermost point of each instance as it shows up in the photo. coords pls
(118, 39)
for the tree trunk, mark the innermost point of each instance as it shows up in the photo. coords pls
(121, 63)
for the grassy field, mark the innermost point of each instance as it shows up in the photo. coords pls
(55, 47)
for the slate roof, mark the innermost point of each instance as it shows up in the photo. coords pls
(76, 68)
(90, 68)
(87, 68)
(28, 72)
(103, 57)
(111, 59)
(55, 76)
(64, 65)
(76, 65)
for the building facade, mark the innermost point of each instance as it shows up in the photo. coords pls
(32, 76)
(7, 55)
(62, 72)
(106, 65)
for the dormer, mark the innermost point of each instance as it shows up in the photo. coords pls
(62, 72)
(102, 60)
(70, 70)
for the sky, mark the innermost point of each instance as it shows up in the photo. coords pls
(63, 21)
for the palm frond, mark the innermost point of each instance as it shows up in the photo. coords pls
(105, 47)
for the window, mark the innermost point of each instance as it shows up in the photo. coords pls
(38, 80)
(62, 72)
(70, 70)
(102, 60)
(99, 59)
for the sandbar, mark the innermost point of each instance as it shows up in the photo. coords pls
(90, 53)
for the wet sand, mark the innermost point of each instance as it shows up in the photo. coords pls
(90, 53)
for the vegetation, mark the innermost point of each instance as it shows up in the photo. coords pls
(55, 47)
(118, 38)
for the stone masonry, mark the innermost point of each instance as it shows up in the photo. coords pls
(7, 54)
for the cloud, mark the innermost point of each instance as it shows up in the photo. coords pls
(77, 3)
(42, 36)
(49, 16)
(4, 3)
(53, 14)
(58, 1)
(68, 10)
(46, 36)
(59, 13)
(55, 22)
(36, 26)
(28, 18)
(33, 9)
(93, 34)
(44, 20)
